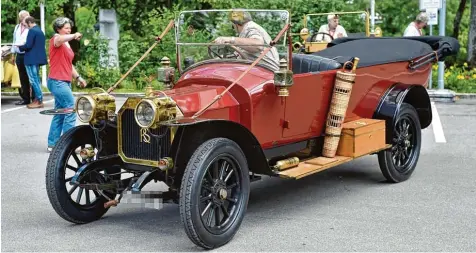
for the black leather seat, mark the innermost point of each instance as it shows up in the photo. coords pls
(307, 63)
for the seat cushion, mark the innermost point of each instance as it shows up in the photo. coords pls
(307, 63)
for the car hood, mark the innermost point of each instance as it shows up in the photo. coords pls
(198, 87)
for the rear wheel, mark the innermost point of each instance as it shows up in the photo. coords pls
(399, 162)
(214, 193)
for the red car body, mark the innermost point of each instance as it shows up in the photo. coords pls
(274, 120)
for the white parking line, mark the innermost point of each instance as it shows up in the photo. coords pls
(20, 107)
(437, 127)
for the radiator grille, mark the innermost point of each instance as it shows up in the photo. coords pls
(133, 145)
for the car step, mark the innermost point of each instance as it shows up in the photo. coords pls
(309, 167)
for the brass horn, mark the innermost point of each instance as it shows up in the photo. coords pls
(297, 45)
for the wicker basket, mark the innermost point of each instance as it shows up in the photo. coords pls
(337, 111)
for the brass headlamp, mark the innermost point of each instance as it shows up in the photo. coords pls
(96, 107)
(149, 112)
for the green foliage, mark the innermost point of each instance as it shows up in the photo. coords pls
(91, 68)
(142, 21)
(459, 78)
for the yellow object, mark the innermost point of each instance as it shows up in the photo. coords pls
(378, 31)
(10, 74)
(287, 163)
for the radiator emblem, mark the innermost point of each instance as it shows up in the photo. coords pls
(144, 136)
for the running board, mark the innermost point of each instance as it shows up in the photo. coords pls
(315, 165)
(312, 166)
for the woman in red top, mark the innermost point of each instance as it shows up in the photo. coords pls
(61, 73)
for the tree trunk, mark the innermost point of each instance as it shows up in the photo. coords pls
(472, 35)
(458, 16)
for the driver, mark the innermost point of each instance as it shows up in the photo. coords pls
(333, 28)
(250, 33)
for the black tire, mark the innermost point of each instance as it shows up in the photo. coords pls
(195, 182)
(56, 180)
(406, 146)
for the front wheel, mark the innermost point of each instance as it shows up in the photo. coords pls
(398, 163)
(214, 193)
(74, 203)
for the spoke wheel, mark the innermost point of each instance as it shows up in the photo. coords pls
(404, 144)
(399, 162)
(214, 193)
(73, 202)
(220, 192)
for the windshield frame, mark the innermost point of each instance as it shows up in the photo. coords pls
(185, 44)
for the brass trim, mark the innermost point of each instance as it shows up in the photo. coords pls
(131, 103)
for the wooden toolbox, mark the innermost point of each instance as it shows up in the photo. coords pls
(361, 137)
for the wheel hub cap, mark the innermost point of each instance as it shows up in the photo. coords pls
(223, 194)
(219, 192)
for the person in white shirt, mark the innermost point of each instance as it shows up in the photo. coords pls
(333, 28)
(415, 27)
(19, 38)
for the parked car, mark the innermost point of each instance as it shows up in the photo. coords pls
(227, 121)
(356, 24)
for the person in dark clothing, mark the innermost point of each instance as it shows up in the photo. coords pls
(19, 37)
(35, 57)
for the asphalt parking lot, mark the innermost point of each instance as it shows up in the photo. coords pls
(347, 208)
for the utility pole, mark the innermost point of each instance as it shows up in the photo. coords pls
(372, 16)
(441, 64)
(434, 8)
(430, 85)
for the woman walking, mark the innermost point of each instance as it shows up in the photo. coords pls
(61, 73)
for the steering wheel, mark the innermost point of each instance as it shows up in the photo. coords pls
(226, 52)
(324, 33)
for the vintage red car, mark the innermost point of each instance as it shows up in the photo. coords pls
(229, 120)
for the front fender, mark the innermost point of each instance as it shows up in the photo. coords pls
(193, 132)
(391, 101)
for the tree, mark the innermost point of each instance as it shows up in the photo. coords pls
(458, 16)
(472, 35)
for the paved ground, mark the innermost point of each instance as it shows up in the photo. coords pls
(347, 208)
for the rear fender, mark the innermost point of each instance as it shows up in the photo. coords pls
(193, 133)
(391, 101)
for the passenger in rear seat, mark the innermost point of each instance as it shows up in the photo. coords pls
(332, 28)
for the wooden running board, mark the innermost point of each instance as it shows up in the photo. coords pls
(306, 168)
(314, 165)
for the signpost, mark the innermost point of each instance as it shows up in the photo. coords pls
(432, 20)
(432, 7)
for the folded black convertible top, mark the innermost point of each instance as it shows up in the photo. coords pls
(373, 51)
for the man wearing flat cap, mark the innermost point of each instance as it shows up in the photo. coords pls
(250, 33)
(415, 27)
